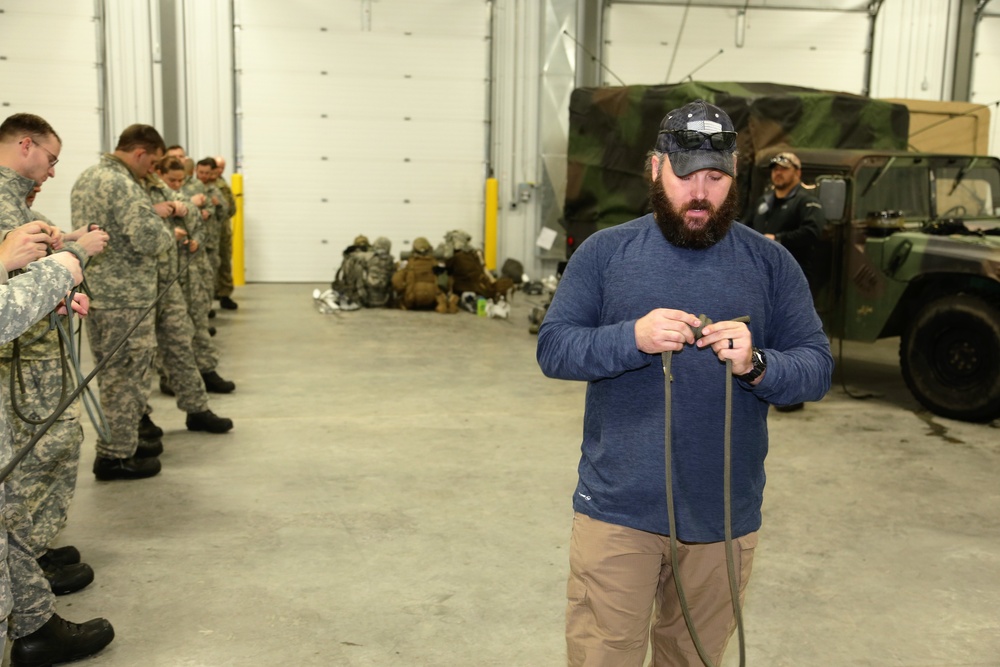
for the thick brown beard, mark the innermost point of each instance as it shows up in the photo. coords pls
(670, 220)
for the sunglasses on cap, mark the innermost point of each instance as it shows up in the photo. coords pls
(692, 139)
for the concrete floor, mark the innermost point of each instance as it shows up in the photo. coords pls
(397, 492)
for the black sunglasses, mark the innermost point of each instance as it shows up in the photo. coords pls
(692, 139)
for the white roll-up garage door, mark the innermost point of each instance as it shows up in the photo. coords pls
(358, 118)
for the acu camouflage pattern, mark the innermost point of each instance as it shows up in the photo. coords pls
(224, 278)
(124, 275)
(40, 341)
(174, 330)
(612, 130)
(23, 301)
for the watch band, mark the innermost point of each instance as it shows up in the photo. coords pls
(759, 360)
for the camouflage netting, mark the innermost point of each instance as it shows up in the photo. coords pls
(611, 130)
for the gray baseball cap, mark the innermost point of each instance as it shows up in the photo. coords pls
(698, 136)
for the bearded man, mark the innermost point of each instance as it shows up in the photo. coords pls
(628, 294)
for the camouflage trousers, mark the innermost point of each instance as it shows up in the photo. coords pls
(33, 602)
(124, 382)
(212, 270)
(224, 276)
(46, 477)
(199, 302)
(174, 336)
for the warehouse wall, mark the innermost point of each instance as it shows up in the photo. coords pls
(424, 100)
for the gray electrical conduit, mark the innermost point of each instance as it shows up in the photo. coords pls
(727, 502)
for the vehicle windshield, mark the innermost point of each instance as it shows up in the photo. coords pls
(919, 189)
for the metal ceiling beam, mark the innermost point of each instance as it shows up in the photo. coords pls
(855, 6)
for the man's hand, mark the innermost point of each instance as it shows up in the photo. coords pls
(198, 200)
(180, 233)
(164, 209)
(665, 330)
(193, 245)
(25, 244)
(205, 214)
(180, 209)
(94, 241)
(81, 305)
(729, 340)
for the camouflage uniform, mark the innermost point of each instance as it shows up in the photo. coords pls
(201, 273)
(174, 330)
(224, 279)
(42, 486)
(213, 234)
(123, 282)
(23, 302)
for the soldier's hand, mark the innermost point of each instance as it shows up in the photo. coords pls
(665, 329)
(94, 242)
(205, 215)
(180, 209)
(81, 305)
(193, 245)
(25, 244)
(164, 209)
(215, 200)
(198, 200)
(180, 233)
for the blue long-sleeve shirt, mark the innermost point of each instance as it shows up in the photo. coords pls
(616, 277)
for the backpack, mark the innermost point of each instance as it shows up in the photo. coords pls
(351, 279)
(378, 279)
(416, 284)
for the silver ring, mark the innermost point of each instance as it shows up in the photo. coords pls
(730, 343)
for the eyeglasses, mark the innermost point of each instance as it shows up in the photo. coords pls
(53, 160)
(692, 139)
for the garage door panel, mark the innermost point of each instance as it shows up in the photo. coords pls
(310, 95)
(351, 118)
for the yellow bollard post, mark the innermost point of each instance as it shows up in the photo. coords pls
(239, 275)
(490, 226)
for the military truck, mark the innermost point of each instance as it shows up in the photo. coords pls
(913, 241)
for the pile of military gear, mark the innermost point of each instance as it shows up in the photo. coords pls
(364, 279)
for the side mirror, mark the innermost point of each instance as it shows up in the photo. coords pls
(832, 194)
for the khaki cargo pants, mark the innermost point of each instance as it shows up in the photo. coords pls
(616, 576)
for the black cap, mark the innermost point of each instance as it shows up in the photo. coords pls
(699, 116)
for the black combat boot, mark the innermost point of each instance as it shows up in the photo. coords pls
(208, 421)
(131, 468)
(228, 303)
(66, 579)
(148, 430)
(216, 384)
(59, 556)
(61, 641)
(147, 449)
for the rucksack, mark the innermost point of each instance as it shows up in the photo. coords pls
(416, 283)
(351, 281)
(378, 279)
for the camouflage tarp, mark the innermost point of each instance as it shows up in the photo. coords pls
(612, 129)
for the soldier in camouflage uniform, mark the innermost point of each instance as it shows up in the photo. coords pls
(196, 293)
(123, 283)
(224, 280)
(196, 192)
(174, 329)
(29, 150)
(205, 172)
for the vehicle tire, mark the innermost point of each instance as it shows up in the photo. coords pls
(950, 358)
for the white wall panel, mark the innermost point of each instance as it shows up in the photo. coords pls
(985, 83)
(208, 111)
(47, 67)
(132, 65)
(913, 57)
(358, 117)
(656, 44)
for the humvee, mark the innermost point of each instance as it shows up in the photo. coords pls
(913, 250)
(913, 240)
